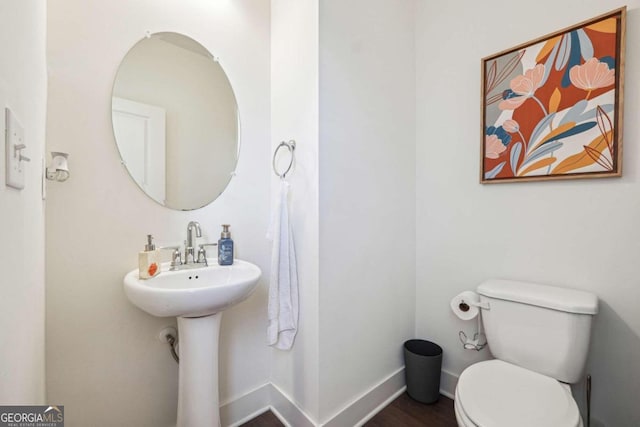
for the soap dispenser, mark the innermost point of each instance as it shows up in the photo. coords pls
(225, 246)
(148, 265)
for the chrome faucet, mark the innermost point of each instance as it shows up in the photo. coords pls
(189, 246)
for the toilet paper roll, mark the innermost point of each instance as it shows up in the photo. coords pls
(465, 305)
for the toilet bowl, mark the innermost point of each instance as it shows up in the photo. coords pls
(499, 394)
(539, 336)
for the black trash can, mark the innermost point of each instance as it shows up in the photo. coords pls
(423, 362)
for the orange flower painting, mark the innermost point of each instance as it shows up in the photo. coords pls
(552, 108)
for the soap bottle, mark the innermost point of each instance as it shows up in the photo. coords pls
(225, 246)
(148, 265)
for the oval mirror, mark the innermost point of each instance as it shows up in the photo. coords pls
(175, 121)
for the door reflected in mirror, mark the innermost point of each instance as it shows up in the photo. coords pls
(175, 121)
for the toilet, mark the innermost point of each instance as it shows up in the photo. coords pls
(539, 336)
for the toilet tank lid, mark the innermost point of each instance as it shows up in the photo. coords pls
(553, 297)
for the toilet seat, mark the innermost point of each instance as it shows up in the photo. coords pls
(499, 394)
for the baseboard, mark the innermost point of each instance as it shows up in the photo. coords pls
(239, 410)
(290, 414)
(448, 382)
(381, 406)
(370, 402)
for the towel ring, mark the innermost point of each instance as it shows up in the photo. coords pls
(291, 146)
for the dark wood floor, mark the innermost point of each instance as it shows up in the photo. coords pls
(402, 412)
(265, 420)
(406, 412)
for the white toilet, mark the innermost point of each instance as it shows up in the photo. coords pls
(539, 336)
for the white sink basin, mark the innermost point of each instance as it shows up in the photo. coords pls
(193, 292)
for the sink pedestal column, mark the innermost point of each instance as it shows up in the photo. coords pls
(198, 404)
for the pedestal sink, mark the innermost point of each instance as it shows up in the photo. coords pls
(197, 297)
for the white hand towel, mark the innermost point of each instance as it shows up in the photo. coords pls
(283, 285)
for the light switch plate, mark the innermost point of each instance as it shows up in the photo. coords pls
(13, 136)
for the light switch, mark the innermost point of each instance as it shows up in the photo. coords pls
(14, 152)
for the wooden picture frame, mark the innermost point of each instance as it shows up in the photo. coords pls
(552, 108)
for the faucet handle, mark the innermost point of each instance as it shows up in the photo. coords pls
(176, 256)
(202, 253)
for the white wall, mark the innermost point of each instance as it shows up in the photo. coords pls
(102, 351)
(579, 234)
(23, 88)
(343, 81)
(294, 115)
(367, 195)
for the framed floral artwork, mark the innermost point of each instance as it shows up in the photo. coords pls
(552, 107)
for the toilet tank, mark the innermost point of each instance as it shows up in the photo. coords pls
(542, 328)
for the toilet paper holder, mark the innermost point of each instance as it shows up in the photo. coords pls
(478, 342)
(464, 306)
